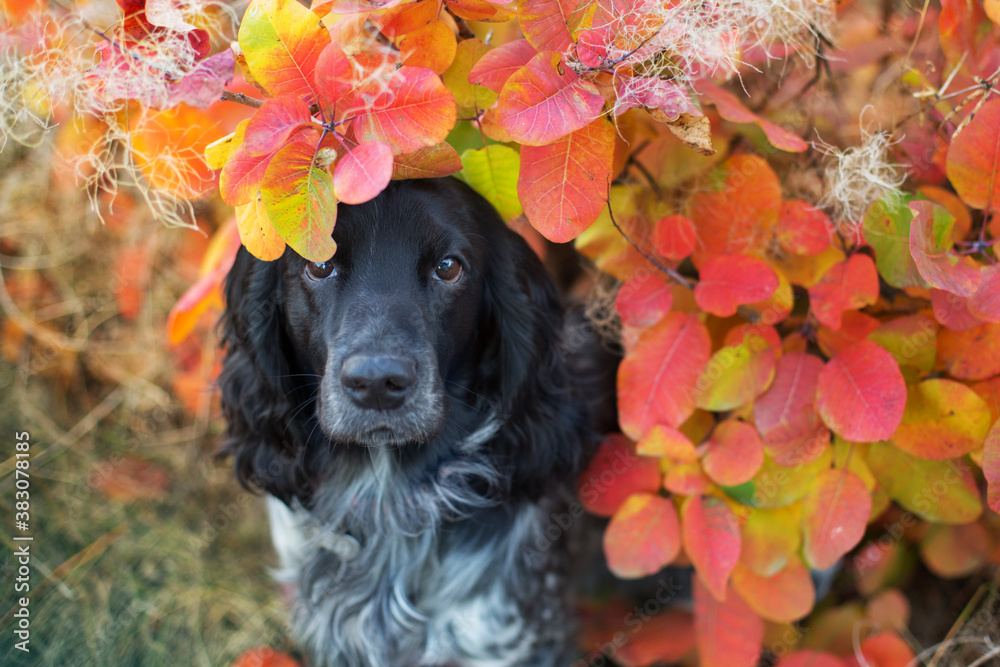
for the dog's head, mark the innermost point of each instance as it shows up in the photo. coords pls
(431, 318)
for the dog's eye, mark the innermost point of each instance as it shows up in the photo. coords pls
(320, 270)
(449, 270)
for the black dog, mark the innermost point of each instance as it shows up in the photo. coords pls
(408, 410)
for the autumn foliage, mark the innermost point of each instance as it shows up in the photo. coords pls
(811, 332)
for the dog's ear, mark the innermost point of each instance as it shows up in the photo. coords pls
(540, 441)
(257, 395)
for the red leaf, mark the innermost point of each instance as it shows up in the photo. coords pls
(363, 172)
(545, 100)
(563, 185)
(666, 97)
(711, 540)
(930, 246)
(644, 300)
(666, 637)
(428, 162)
(727, 633)
(973, 162)
(854, 326)
(846, 285)
(787, 410)
(494, 68)
(985, 303)
(731, 109)
(952, 310)
(744, 198)
(274, 124)
(614, 474)
(860, 393)
(265, 656)
(835, 512)
(334, 74)
(545, 23)
(656, 379)
(674, 237)
(802, 228)
(728, 281)
(734, 453)
(810, 659)
(642, 537)
(413, 111)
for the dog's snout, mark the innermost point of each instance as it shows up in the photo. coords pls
(378, 382)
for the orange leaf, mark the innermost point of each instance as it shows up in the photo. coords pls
(669, 443)
(911, 339)
(408, 17)
(883, 649)
(428, 162)
(834, 515)
(657, 377)
(686, 479)
(563, 185)
(846, 285)
(930, 246)
(991, 467)
(860, 393)
(973, 354)
(131, 479)
(711, 535)
(545, 100)
(727, 633)
(734, 453)
(727, 281)
(803, 229)
(732, 109)
(257, 233)
(952, 552)
(973, 162)
(784, 597)
(742, 199)
(614, 474)
(433, 46)
(674, 237)
(182, 133)
(642, 537)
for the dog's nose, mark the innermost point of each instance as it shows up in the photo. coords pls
(378, 382)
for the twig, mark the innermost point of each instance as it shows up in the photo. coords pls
(230, 96)
(652, 260)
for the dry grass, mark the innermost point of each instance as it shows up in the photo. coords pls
(144, 576)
